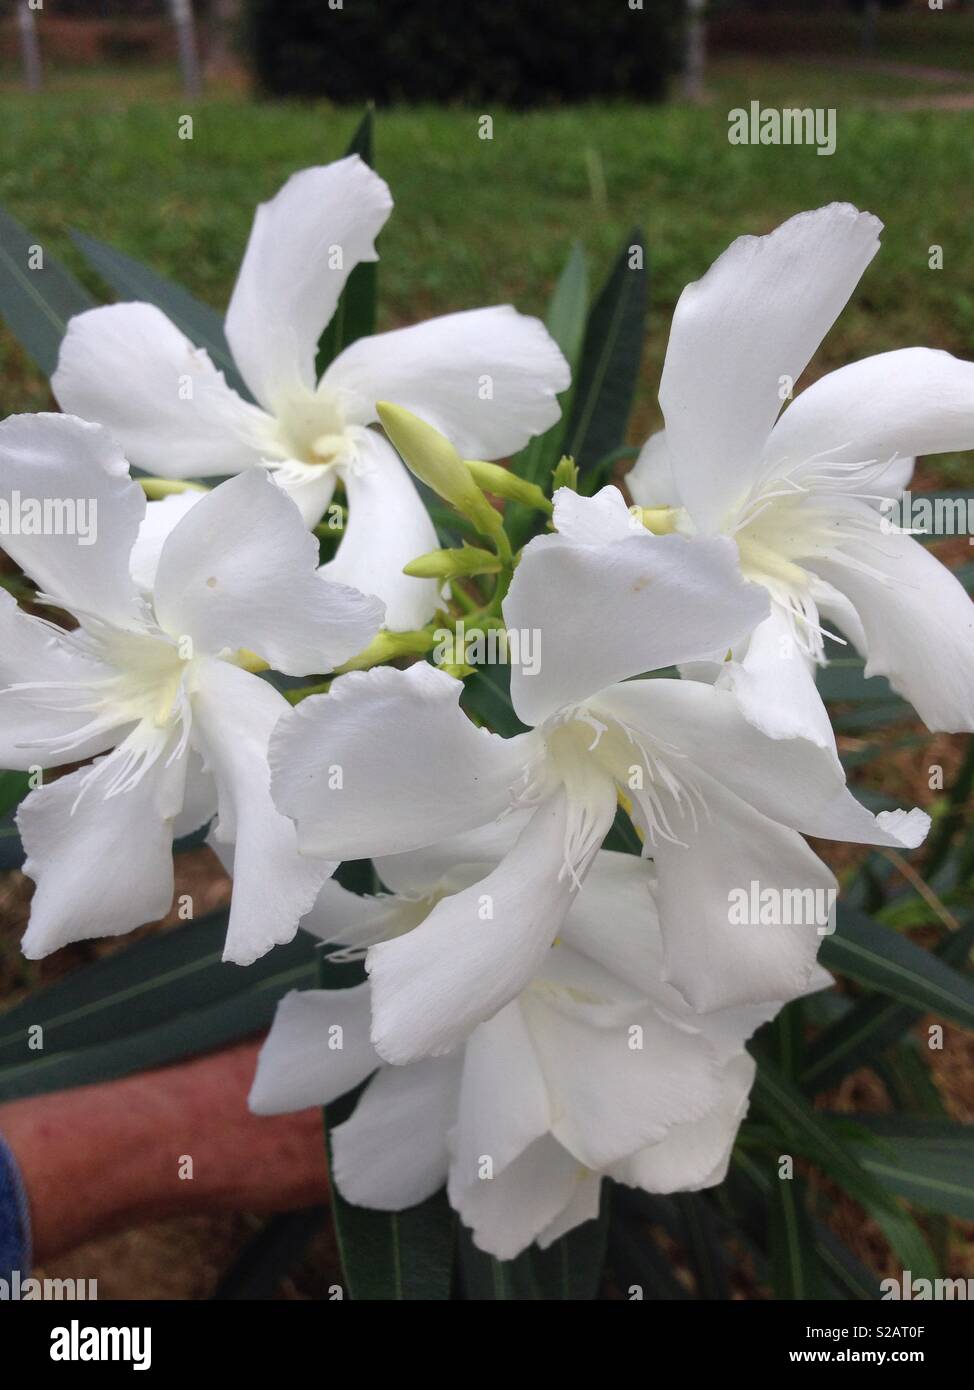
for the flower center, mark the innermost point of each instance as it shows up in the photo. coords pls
(312, 429)
(140, 681)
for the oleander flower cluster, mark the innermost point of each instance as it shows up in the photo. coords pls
(538, 1010)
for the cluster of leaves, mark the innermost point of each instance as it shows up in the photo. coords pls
(169, 996)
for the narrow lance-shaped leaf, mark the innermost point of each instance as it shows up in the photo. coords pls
(13, 788)
(795, 1269)
(565, 321)
(781, 1103)
(872, 1024)
(611, 354)
(398, 1255)
(130, 279)
(37, 294)
(201, 1030)
(928, 1161)
(354, 315)
(882, 960)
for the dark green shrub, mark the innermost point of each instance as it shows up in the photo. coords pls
(515, 52)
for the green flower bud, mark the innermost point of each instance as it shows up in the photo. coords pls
(448, 564)
(503, 483)
(434, 460)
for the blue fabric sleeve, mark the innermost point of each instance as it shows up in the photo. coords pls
(14, 1217)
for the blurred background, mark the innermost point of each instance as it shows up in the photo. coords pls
(606, 114)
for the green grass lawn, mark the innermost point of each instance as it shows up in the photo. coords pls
(483, 221)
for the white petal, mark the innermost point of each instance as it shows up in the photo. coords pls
(160, 518)
(756, 316)
(240, 570)
(608, 1097)
(606, 612)
(774, 684)
(128, 367)
(886, 408)
(594, 520)
(789, 780)
(584, 1206)
(66, 460)
(470, 855)
(697, 1155)
(32, 650)
(503, 1105)
(918, 624)
(102, 865)
(712, 958)
(304, 244)
(387, 762)
(318, 1048)
(835, 608)
(388, 526)
(614, 921)
(650, 480)
(392, 1153)
(199, 803)
(488, 378)
(309, 488)
(476, 950)
(506, 1213)
(273, 885)
(353, 919)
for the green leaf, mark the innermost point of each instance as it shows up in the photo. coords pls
(12, 853)
(569, 1270)
(354, 315)
(622, 835)
(609, 366)
(36, 304)
(882, 960)
(872, 1024)
(794, 1264)
(844, 679)
(165, 997)
(14, 787)
(872, 715)
(811, 1134)
(707, 1254)
(928, 1161)
(788, 1037)
(487, 694)
(202, 1030)
(484, 1279)
(849, 1275)
(130, 279)
(939, 843)
(565, 321)
(399, 1255)
(639, 1266)
(141, 985)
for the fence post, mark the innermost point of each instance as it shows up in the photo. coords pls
(182, 17)
(30, 48)
(695, 52)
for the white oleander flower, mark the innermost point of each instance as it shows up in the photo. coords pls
(150, 685)
(488, 378)
(597, 1068)
(719, 805)
(798, 492)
